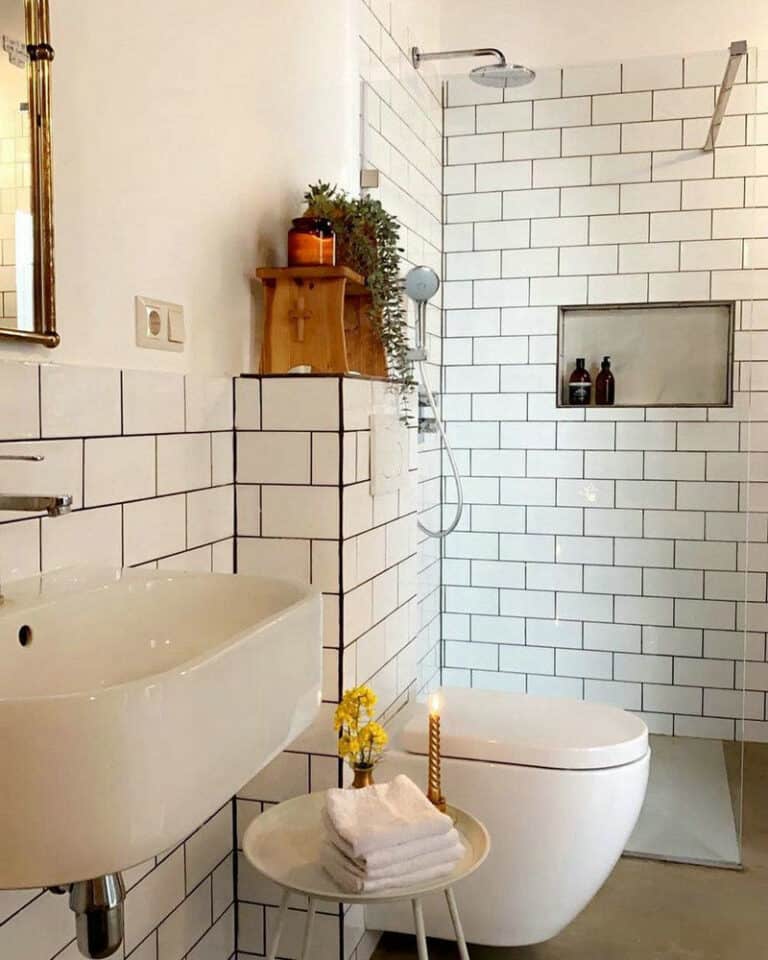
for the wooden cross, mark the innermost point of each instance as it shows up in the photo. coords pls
(300, 314)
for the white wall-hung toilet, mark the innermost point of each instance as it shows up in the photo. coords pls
(558, 783)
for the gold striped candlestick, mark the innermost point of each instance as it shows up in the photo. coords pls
(434, 792)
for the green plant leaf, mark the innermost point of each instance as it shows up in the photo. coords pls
(367, 241)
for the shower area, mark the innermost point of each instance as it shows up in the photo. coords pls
(616, 553)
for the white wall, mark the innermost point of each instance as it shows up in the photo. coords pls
(184, 134)
(551, 32)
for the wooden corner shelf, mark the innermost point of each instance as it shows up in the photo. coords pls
(318, 317)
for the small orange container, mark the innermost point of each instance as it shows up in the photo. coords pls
(311, 243)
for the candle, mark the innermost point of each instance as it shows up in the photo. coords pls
(434, 792)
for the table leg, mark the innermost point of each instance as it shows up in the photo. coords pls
(421, 937)
(454, 912)
(311, 907)
(280, 924)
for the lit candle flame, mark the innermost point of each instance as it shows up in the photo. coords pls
(434, 704)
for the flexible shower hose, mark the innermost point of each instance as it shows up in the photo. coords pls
(438, 534)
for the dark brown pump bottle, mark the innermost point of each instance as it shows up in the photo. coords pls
(580, 385)
(605, 385)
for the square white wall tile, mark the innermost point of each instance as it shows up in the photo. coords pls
(119, 469)
(300, 511)
(79, 401)
(222, 556)
(531, 145)
(84, 536)
(588, 141)
(153, 402)
(621, 168)
(591, 79)
(210, 515)
(567, 112)
(209, 403)
(650, 73)
(325, 459)
(273, 457)
(223, 458)
(183, 462)
(248, 403)
(673, 104)
(476, 148)
(153, 528)
(274, 557)
(19, 400)
(505, 116)
(640, 197)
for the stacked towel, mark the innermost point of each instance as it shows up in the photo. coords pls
(387, 835)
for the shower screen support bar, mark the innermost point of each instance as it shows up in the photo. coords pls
(738, 50)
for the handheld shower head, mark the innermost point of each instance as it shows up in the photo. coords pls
(421, 284)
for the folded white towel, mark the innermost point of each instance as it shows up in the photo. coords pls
(450, 852)
(352, 883)
(398, 853)
(377, 817)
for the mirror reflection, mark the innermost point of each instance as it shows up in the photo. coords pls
(16, 222)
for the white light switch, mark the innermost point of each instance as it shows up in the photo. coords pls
(176, 332)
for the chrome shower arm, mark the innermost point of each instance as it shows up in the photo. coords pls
(417, 57)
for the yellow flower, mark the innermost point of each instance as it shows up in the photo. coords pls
(373, 734)
(361, 739)
(349, 748)
(341, 716)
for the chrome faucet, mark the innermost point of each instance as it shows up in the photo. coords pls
(54, 506)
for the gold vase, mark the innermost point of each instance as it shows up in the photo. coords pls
(363, 775)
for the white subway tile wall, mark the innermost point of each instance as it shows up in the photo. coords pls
(402, 128)
(603, 553)
(150, 450)
(319, 522)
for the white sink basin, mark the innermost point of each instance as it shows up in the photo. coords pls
(143, 701)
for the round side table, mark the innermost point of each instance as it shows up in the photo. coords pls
(284, 844)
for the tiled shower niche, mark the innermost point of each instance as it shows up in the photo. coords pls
(661, 354)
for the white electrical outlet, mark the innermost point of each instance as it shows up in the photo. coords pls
(159, 325)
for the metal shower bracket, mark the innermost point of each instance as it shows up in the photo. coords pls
(738, 50)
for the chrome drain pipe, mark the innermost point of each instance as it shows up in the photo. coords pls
(98, 908)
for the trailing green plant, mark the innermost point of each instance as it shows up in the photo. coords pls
(367, 241)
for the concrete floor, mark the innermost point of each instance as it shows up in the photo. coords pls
(660, 911)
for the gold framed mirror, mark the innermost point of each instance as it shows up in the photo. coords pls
(27, 279)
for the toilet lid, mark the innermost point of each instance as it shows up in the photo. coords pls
(528, 730)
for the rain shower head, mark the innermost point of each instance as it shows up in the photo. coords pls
(499, 74)
(502, 75)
